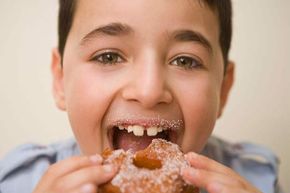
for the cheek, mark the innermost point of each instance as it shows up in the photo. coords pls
(199, 104)
(87, 99)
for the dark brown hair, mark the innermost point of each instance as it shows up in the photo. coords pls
(223, 9)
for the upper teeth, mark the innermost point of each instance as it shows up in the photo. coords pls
(152, 131)
(139, 130)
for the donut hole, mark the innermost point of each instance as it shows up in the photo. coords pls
(148, 160)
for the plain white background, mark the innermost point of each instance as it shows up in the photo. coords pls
(258, 109)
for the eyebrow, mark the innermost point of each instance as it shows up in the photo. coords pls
(119, 29)
(111, 29)
(192, 36)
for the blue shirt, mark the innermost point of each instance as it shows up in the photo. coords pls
(21, 169)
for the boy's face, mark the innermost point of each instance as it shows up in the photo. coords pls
(154, 64)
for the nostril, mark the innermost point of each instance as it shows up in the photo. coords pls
(168, 97)
(148, 97)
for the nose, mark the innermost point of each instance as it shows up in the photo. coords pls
(148, 84)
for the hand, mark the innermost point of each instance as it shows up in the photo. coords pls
(78, 174)
(214, 177)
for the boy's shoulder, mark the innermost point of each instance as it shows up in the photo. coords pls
(226, 152)
(258, 164)
(21, 169)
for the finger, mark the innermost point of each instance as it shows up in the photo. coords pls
(202, 162)
(206, 179)
(221, 188)
(88, 188)
(90, 175)
(64, 167)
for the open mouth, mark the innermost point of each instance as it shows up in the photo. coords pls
(137, 136)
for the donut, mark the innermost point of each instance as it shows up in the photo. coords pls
(155, 169)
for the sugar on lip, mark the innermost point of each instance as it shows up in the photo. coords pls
(147, 123)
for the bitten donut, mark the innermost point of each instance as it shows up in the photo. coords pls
(155, 169)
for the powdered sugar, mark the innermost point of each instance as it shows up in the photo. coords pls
(167, 179)
(148, 122)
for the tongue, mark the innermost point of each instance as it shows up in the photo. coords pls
(124, 140)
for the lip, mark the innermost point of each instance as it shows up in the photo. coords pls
(146, 123)
(174, 126)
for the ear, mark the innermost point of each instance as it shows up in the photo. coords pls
(226, 86)
(57, 76)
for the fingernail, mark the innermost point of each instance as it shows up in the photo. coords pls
(192, 155)
(192, 171)
(96, 158)
(185, 172)
(189, 175)
(108, 168)
(189, 172)
(87, 188)
(215, 187)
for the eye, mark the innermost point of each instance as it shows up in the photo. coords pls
(186, 62)
(108, 58)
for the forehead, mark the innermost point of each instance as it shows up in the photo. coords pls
(146, 15)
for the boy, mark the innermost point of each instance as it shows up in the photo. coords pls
(125, 71)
